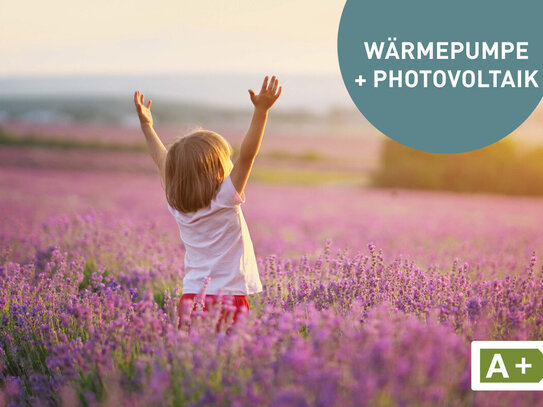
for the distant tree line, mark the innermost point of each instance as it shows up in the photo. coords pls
(501, 168)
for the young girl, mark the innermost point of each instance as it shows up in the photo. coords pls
(204, 191)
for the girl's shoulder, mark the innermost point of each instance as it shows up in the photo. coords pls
(228, 195)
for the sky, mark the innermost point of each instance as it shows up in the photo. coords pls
(74, 37)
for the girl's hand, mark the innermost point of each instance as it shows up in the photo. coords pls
(269, 93)
(144, 112)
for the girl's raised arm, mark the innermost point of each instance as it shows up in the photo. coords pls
(262, 102)
(156, 148)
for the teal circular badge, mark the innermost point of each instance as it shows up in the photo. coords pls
(443, 77)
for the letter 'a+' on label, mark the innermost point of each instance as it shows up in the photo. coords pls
(507, 365)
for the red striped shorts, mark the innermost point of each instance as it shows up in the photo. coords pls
(239, 301)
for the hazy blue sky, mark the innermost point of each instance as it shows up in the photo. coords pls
(136, 36)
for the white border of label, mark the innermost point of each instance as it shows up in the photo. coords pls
(476, 347)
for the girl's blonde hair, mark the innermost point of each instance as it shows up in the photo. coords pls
(195, 167)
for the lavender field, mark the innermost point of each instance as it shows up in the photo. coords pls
(371, 297)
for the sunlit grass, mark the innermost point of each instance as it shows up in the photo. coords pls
(307, 177)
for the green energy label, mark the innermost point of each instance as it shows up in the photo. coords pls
(507, 365)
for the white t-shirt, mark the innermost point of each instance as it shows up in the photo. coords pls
(218, 245)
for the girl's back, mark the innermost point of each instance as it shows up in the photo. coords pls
(218, 245)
